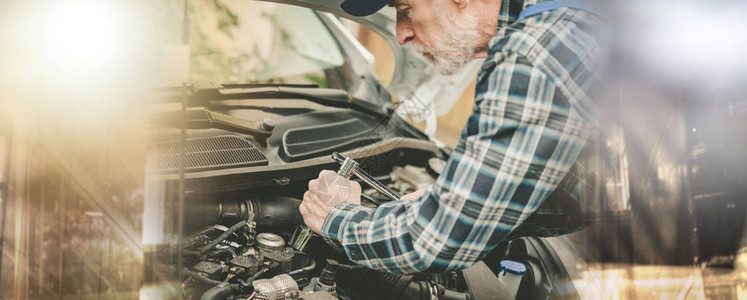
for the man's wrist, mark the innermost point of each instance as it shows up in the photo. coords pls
(337, 218)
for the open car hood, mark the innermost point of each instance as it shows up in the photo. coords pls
(419, 87)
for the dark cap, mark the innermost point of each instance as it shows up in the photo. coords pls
(360, 8)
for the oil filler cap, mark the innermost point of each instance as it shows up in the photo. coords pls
(270, 241)
(513, 267)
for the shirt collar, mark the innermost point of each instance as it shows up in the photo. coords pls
(510, 10)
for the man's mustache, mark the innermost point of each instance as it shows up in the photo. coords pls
(424, 51)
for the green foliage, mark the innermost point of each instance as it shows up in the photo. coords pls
(319, 80)
(226, 19)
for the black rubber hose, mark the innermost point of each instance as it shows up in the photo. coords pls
(377, 284)
(381, 285)
(223, 236)
(201, 278)
(207, 211)
(276, 212)
(421, 290)
(328, 273)
(264, 270)
(270, 212)
(220, 252)
(221, 291)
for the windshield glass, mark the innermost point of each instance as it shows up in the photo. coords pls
(238, 41)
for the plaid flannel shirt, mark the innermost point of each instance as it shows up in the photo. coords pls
(531, 119)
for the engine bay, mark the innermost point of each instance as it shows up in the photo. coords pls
(238, 244)
(225, 193)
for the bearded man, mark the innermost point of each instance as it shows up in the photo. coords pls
(531, 118)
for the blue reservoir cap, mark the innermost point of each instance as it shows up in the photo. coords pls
(514, 267)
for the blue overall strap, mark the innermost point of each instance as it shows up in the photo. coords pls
(552, 5)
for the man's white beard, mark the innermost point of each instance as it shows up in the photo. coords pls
(459, 40)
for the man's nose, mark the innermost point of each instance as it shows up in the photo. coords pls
(404, 33)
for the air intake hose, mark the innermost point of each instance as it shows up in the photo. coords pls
(276, 212)
(270, 212)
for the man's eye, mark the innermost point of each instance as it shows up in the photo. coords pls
(403, 14)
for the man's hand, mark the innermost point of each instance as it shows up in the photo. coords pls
(324, 193)
(414, 195)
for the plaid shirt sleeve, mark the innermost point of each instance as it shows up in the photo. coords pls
(521, 140)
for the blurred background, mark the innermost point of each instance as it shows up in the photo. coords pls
(76, 80)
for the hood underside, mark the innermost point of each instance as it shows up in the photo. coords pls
(414, 80)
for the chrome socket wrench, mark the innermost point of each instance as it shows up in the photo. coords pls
(367, 178)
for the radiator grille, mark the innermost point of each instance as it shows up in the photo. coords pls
(205, 153)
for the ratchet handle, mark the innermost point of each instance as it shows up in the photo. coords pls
(367, 178)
